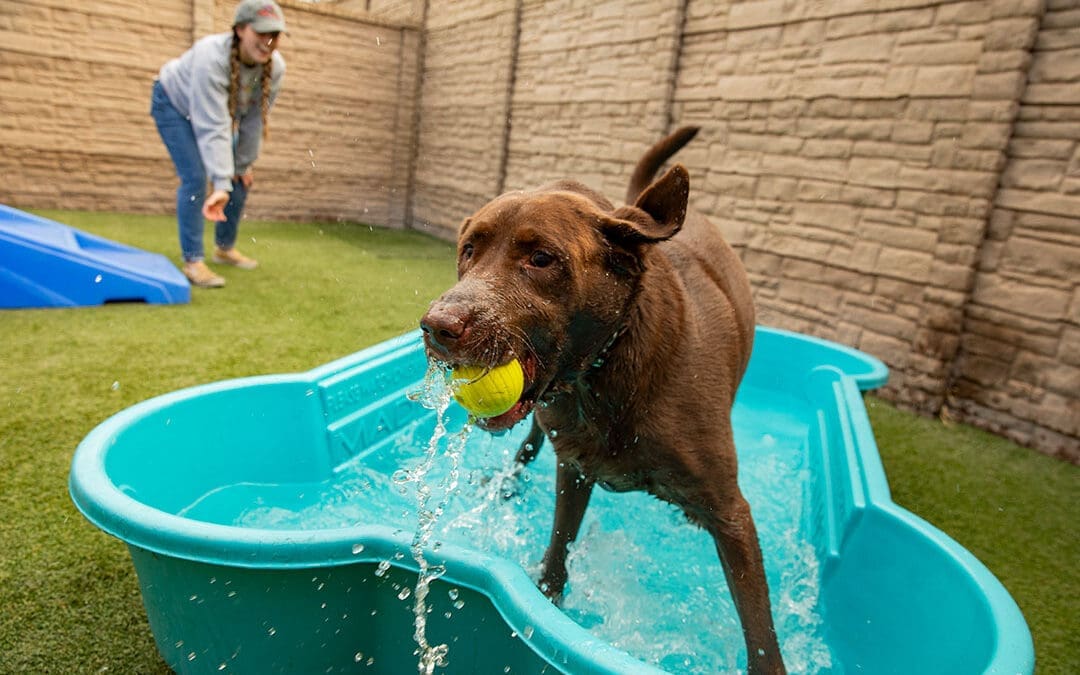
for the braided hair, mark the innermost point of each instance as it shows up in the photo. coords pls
(234, 87)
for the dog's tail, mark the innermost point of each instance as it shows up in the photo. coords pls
(655, 157)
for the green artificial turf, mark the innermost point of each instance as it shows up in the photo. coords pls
(69, 599)
(1014, 509)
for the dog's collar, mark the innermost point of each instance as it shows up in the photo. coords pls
(601, 356)
(565, 385)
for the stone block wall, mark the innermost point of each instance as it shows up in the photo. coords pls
(1018, 370)
(592, 89)
(468, 79)
(520, 93)
(75, 129)
(853, 152)
(411, 11)
(885, 169)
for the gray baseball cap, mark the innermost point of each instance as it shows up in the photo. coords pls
(265, 16)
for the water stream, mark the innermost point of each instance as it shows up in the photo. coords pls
(640, 576)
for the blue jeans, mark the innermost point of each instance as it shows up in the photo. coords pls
(179, 139)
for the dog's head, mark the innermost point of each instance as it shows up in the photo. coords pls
(548, 277)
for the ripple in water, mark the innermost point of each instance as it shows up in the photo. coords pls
(640, 576)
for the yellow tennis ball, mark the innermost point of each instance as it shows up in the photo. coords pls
(488, 393)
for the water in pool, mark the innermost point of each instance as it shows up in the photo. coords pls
(641, 577)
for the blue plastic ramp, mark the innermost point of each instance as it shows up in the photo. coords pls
(46, 264)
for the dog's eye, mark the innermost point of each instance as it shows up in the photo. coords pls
(466, 251)
(541, 259)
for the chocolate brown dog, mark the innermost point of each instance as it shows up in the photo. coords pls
(633, 326)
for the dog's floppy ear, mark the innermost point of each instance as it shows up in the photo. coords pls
(657, 214)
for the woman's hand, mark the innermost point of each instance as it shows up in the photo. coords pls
(214, 206)
(247, 178)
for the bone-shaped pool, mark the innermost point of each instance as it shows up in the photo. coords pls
(272, 530)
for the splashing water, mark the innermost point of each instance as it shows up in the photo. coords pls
(434, 394)
(640, 576)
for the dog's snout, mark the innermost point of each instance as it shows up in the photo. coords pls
(444, 325)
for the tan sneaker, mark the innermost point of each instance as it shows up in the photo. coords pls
(200, 275)
(230, 256)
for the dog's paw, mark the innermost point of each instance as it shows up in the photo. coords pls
(556, 597)
(553, 586)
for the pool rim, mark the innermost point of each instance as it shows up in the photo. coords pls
(506, 585)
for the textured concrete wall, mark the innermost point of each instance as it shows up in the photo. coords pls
(411, 11)
(1018, 372)
(853, 152)
(468, 68)
(592, 89)
(884, 168)
(517, 93)
(75, 129)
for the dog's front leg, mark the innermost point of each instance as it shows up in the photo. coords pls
(572, 491)
(740, 555)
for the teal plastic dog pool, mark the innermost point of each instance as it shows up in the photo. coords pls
(271, 531)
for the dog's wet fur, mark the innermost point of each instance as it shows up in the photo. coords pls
(633, 325)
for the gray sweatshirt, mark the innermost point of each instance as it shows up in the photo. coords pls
(197, 84)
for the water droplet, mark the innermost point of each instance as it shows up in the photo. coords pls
(404, 594)
(358, 657)
(97, 279)
(527, 632)
(191, 656)
(272, 631)
(115, 385)
(357, 549)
